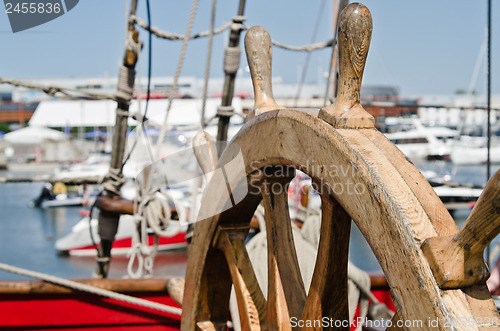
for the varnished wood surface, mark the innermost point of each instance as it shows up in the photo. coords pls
(117, 285)
(115, 205)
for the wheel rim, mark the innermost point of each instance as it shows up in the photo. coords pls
(384, 206)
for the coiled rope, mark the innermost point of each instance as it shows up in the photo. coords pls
(152, 212)
(91, 289)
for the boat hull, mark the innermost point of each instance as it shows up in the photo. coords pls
(80, 242)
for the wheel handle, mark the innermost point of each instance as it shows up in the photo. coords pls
(353, 37)
(259, 52)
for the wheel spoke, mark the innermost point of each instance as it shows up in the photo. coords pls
(286, 293)
(251, 301)
(328, 292)
(394, 321)
(211, 326)
(278, 316)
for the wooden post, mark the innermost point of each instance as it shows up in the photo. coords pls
(228, 90)
(333, 68)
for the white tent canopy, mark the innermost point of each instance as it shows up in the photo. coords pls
(84, 113)
(33, 135)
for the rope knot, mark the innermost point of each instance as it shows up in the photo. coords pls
(113, 181)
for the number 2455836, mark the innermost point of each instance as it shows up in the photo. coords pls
(33, 8)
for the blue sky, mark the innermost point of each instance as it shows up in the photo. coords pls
(422, 47)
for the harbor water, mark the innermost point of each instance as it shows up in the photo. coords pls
(28, 235)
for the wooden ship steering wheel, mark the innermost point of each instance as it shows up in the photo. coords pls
(436, 272)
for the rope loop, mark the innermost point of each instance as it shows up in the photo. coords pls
(131, 45)
(135, 253)
(239, 19)
(226, 111)
(156, 210)
(122, 112)
(237, 24)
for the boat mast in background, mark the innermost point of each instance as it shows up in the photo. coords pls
(488, 110)
(334, 69)
(488, 93)
(108, 221)
(231, 65)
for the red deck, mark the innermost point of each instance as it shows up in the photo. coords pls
(81, 311)
(37, 305)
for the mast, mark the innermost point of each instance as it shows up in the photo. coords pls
(488, 93)
(333, 68)
(488, 108)
(113, 181)
(231, 64)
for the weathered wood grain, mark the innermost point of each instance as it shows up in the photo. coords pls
(457, 260)
(328, 292)
(248, 293)
(360, 175)
(284, 272)
(353, 38)
(259, 52)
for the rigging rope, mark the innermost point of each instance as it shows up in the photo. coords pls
(235, 24)
(152, 212)
(53, 90)
(90, 289)
(148, 89)
(230, 64)
(207, 64)
(139, 116)
(305, 48)
(174, 36)
(308, 55)
(180, 63)
(333, 68)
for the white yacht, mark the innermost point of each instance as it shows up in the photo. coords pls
(473, 150)
(419, 142)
